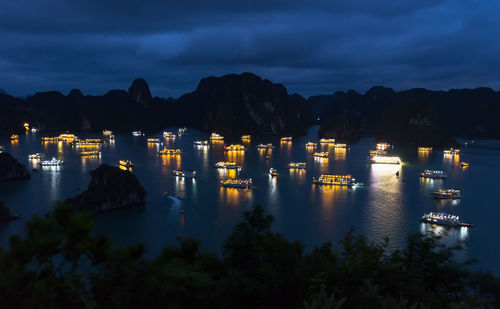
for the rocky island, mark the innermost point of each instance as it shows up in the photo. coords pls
(110, 188)
(11, 169)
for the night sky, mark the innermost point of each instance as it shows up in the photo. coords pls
(312, 47)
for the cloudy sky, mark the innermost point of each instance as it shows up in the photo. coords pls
(312, 47)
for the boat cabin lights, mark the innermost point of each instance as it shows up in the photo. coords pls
(385, 160)
(327, 141)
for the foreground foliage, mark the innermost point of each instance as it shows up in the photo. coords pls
(59, 263)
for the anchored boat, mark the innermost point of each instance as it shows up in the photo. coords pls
(336, 180)
(237, 183)
(433, 174)
(184, 174)
(447, 194)
(442, 218)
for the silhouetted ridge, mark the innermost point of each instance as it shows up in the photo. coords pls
(139, 92)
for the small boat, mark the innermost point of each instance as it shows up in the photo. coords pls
(237, 183)
(36, 156)
(53, 162)
(246, 138)
(201, 143)
(441, 218)
(424, 149)
(126, 163)
(447, 194)
(297, 165)
(385, 160)
(137, 133)
(273, 172)
(227, 165)
(340, 145)
(327, 141)
(168, 135)
(154, 141)
(320, 154)
(107, 132)
(14, 137)
(451, 151)
(286, 139)
(235, 148)
(311, 145)
(464, 164)
(216, 137)
(184, 174)
(169, 152)
(265, 146)
(433, 174)
(90, 153)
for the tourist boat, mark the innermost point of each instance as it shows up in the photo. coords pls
(201, 143)
(441, 218)
(273, 172)
(34, 130)
(320, 154)
(49, 139)
(90, 153)
(377, 159)
(373, 153)
(36, 156)
(14, 137)
(424, 149)
(88, 142)
(336, 180)
(286, 139)
(235, 148)
(311, 145)
(184, 174)
(296, 165)
(433, 174)
(451, 151)
(216, 137)
(227, 165)
(53, 162)
(340, 145)
(265, 146)
(181, 131)
(67, 137)
(447, 194)
(168, 135)
(237, 183)
(464, 164)
(327, 141)
(107, 132)
(246, 138)
(382, 146)
(154, 141)
(137, 133)
(126, 163)
(171, 152)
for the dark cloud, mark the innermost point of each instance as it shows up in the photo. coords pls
(311, 46)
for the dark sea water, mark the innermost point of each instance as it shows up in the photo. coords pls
(388, 206)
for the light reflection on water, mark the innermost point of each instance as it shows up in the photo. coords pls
(329, 197)
(235, 197)
(339, 153)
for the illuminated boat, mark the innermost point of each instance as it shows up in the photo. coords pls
(265, 146)
(286, 139)
(168, 135)
(320, 154)
(49, 139)
(311, 145)
(464, 164)
(1, 148)
(216, 137)
(137, 133)
(237, 183)
(296, 165)
(90, 153)
(14, 137)
(424, 149)
(441, 218)
(273, 172)
(34, 130)
(433, 174)
(382, 146)
(373, 153)
(447, 194)
(181, 131)
(36, 156)
(327, 141)
(184, 174)
(235, 148)
(53, 162)
(126, 163)
(340, 145)
(67, 137)
(88, 142)
(246, 137)
(227, 165)
(107, 132)
(169, 152)
(451, 151)
(154, 141)
(201, 143)
(336, 180)
(377, 159)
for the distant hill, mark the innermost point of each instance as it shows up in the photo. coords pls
(2, 91)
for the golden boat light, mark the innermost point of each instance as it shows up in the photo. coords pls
(235, 148)
(246, 137)
(338, 180)
(107, 132)
(154, 140)
(286, 139)
(320, 154)
(327, 141)
(216, 137)
(67, 137)
(169, 152)
(297, 165)
(311, 145)
(341, 146)
(26, 126)
(14, 137)
(451, 151)
(424, 149)
(265, 146)
(50, 139)
(383, 146)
